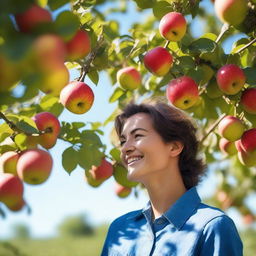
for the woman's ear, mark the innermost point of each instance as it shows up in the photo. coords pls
(176, 148)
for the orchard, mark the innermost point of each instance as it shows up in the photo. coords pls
(160, 57)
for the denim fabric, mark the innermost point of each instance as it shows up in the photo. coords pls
(188, 228)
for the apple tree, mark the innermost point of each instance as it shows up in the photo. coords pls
(41, 41)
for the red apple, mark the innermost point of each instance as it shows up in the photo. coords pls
(47, 121)
(48, 51)
(173, 26)
(245, 157)
(225, 10)
(103, 171)
(227, 147)
(8, 162)
(158, 61)
(53, 80)
(77, 97)
(231, 128)
(230, 79)
(122, 191)
(248, 140)
(35, 15)
(129, 78)
(79, 46)
(11, 189)
(248, 100)
(34, 166)
(182, 92)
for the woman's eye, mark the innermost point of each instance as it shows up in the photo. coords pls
(122, 143)
(138, 135)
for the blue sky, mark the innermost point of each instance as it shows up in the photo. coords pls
(63, 195)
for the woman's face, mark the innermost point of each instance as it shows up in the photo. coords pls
(143, 150)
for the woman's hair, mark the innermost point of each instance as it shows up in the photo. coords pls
(172, 125)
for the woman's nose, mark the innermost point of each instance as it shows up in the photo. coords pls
(127, 147)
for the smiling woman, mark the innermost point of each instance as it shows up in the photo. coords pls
(160, 149)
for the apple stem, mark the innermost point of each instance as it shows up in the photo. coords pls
(86, 67)
(246, 46)
(211, 129)
(166, 44)
(224, 29)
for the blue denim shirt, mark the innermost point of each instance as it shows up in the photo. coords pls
(187, 228)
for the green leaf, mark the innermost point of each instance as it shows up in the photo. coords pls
(26, 127)
(5, 131)
(66, 24)
(115, 153)
(51, 104)
(56, 4)
(186, 62)
(20, 140)
(250, 74)
(69, 159)
(161, 8)
(202, 45)
(6, 148)
(116, 95)
(88, 156)
(89, 137)
(94, 76)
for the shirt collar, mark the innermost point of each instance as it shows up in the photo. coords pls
(178, 213)
(183, 208)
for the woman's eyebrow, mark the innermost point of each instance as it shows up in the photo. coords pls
(133, 131)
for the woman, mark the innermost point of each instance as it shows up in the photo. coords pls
(159, 149)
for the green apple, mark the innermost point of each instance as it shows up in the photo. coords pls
(129, 78)
(227, 147)
(231, 128)
(34, 166)
(91, 180)
(8, 162)
(232, 12)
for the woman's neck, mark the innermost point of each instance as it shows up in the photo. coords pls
(164, 190)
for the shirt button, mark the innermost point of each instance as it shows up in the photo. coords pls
(159, 222)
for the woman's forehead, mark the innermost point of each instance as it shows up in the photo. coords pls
(139, 120)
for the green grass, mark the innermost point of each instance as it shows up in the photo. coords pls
(69, 246)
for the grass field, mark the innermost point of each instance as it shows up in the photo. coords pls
(69, 246)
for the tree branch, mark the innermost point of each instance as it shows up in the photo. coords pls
(247, 45)
(86, 67)
(224, 29)
(214, 125)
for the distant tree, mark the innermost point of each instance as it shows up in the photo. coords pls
(76, 226)
(21, 231)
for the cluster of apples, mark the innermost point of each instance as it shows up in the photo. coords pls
(96, 175)
(237, 140)
(46, 58)
(32, 166)
(159, 60)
